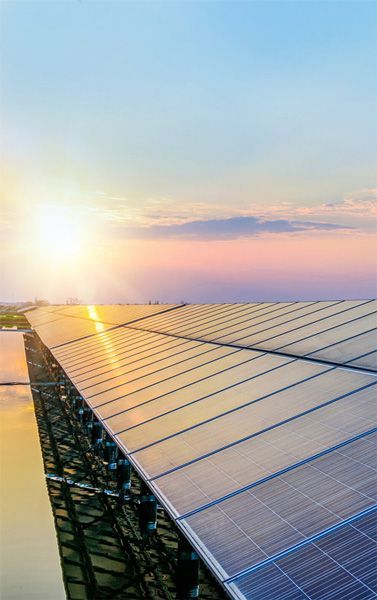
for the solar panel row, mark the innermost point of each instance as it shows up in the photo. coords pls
(264, 457)
(338, 566)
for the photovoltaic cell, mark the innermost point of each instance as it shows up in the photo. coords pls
(315, 342)
(245, 463)
(176, 356)
(154, 356)
(323, 318)
(367, 361)
(82, 321)
(58, 332)
(195, 358)
(207, 314)
(214, 400)
(254, 525)
(181, 387)
(112, 341)
(339, 566)
(231, 318)
(191, 313)
(349, 318)
(349, 349)
(190, 444)
(129, 347)
(209, 319)
(287, 315)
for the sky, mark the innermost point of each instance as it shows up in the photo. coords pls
(197, 151)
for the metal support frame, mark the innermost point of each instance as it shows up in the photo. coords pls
(187, 570)
(147, 511)
(124, 470)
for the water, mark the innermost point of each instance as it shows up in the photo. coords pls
(29, 558)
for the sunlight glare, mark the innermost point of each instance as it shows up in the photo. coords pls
(60, 233)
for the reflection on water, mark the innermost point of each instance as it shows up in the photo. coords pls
(29, 558)
(12, 357)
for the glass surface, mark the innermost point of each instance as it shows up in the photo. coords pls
(107, 345)
(333, 310)
(221, 392)
(339, 566)
(341, 332)
(190, 313)
(154, 356)
(115, 314)
(347, 350)
(179, 360)
(42, 319)
(369, 361)
(159, 384)
(214, 377)
(120, 348)
(126, 384)
(114, 338)
(288, 509)
(126, 313)
(324, 325)
(233, 312)
(217, 404)
(289, 318)
(283, 313)
(29, 561)
(85, 312)
(209, 312)
(189, 327)
(67, 329)
(247, 462)
(78, 349)
(160, 343)
(250, 420)
(268, 583)
(237, 320)
(71, 349)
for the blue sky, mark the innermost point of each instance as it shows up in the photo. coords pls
(159, 113)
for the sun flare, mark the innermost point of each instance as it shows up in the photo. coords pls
(61, 233)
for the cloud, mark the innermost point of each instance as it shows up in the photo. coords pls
(362, 203)
(226, 229)
(357, 210)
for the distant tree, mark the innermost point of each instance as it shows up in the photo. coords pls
(41, 302)
(71, 301)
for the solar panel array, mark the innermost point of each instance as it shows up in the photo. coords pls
(56, 328)
(254, 425)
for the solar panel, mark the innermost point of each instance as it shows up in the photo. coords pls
(337, 566)
(226, 470)
(91, 320)
(250, 417)
(312, 329)
(259, 523)
(253, 424)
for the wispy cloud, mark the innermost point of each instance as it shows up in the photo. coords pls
(362, 203)
(226, 229)
(165, 218)
(168, 212)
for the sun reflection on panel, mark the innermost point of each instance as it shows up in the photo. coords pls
(104, 338)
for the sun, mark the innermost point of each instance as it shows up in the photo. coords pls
(61, 233)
